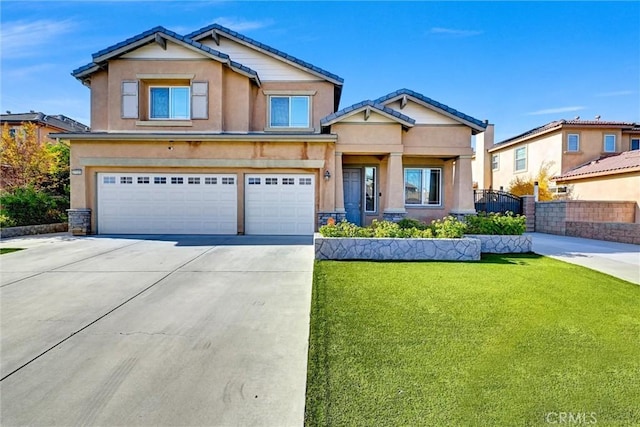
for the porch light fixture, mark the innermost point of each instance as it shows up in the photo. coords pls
(327, 175)
(76, 171)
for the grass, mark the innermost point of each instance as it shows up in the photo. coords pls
(9, 250)
(500, 342)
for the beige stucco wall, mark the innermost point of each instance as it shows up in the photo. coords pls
(438, 140)
(236, 102)
(322, 101)
(591, 146)
(83, 153)
(368, 137)
(545, 148)
(100, 101)
(618, 187)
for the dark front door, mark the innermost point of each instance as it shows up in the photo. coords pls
(352, 182)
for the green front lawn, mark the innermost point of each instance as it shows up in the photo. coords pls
(511, 340)
(9, 250)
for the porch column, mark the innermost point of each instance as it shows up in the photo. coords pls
(463, 203)
(338, 182)
(394, 209)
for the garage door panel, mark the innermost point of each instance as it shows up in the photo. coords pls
(167, 203)
(279, 204)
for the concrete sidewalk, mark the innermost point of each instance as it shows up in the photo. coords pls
(620, 260)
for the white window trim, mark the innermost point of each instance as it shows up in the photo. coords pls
(289, 94)
(577, 150)
(497, 167)
(604, 143)
(515, 159)
(440, 186)
(182, 119)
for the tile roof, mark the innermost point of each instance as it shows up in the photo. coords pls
(616, 163)
(557, 124)
(202, 32)
(433, 103)
(59, 121)
(115, 50)
(334, 117)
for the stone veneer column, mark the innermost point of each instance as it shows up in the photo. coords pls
(463, 203)
(394, 209)
(79, 221)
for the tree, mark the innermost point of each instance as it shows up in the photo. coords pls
(25, 160)
(523, 186)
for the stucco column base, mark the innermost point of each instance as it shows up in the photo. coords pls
(394, 215)
(339, 189)
(79, 221)
(337, 215)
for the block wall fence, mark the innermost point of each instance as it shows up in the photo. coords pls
(601, 220)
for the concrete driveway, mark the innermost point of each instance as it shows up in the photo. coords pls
(166, 330)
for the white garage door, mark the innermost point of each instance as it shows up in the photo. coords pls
(279, 204)
(157, 203)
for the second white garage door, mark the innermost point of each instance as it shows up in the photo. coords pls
(279, 204)
(162, 203)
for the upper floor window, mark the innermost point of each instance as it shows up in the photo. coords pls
(573, 142)
(635, 144)
(289, 111)
(495, 162)
(169, 102)
(520, 159)
(422, 186)
(609, 143)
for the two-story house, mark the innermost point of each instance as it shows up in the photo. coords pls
(216, 133)
(566, 146)
(45, 124)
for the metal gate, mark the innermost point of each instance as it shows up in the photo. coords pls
(497, 201)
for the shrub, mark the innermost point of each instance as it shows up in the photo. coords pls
(378, 229)
(496, 224)
(5, 221)
(448, 227)
(412, 223)
(28, 206)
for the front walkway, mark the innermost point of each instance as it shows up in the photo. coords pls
(621, 260)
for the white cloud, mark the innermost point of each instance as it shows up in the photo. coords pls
(238, 24)
(556, 110)
(617, 93)
(20, 39)
(454, 32)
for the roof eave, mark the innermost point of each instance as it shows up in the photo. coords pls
(596, 174)
(182, 136)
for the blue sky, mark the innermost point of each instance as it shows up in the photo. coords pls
(517, 64)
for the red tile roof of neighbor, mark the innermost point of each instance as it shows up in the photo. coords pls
(627, 161)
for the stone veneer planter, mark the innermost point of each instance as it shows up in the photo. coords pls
(396, 249)
(509, 244)
(27, 230)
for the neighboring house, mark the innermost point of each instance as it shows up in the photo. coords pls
(563, 145)
(216, 133)
(46, 124)
(614, 177)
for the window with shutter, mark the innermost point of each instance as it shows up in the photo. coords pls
(199, 100)
(129, 99)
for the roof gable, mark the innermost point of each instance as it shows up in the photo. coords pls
(215, 31)
(404, 95)
(367, 107)
(160, 36)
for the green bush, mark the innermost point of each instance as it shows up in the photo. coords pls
(378, 229)
(496, 224)
(5, 221)
(28, 206)
(448, 227)
(412, 223)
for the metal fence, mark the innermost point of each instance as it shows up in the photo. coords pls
(497, 201)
